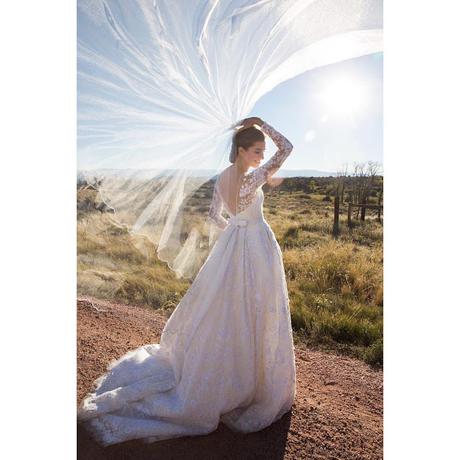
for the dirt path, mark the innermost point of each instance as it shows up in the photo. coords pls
(337, 414)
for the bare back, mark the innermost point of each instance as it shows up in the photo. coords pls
(229, 186)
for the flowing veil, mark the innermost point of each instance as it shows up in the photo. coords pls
(162, 84)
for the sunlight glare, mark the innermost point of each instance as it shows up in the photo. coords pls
(343, 96)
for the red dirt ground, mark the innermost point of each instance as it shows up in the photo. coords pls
(337, 414)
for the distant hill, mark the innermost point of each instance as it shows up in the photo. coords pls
(304, 173)
(139, 173)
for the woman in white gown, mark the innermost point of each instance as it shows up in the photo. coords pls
(226, 354)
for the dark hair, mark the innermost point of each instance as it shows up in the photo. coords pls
(245, 138)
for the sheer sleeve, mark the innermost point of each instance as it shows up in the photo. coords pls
(215, 210)
(262, 173)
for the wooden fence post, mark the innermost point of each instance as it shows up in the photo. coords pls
(335, 228)
(363, 209)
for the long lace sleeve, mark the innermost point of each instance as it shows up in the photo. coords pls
(262, 173)
(215, 210)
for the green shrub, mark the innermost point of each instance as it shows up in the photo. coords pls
(374, 354)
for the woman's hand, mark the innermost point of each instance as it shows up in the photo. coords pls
(247, 122)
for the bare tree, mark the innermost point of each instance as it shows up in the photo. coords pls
(371, 171)
(362, 182)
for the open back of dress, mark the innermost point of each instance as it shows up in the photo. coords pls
(229, 185)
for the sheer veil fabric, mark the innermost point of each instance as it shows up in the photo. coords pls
(162, 85)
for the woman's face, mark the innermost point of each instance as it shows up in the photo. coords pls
(254, 155)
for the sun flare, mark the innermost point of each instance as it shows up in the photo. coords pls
(343, 96)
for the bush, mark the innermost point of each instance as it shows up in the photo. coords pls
(374, 354)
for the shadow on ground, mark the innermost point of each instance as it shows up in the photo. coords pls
(269, 444)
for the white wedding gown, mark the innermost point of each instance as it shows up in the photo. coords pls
(226, 353)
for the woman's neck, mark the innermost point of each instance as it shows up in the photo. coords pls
(241, 169)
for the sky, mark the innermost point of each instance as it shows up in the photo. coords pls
(333, 115)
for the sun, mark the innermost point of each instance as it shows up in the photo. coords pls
(344, 95)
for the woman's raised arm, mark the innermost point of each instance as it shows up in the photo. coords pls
(262, 173)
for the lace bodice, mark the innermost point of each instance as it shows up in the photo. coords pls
(252, 180)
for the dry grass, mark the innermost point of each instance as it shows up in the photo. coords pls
(335, 285)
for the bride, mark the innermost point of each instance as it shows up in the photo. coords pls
(226, 354)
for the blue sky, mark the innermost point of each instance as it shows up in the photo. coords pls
(333, 115)
(327, 134)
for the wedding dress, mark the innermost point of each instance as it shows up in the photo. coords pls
(226, 353)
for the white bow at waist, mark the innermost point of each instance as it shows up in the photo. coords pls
(239, 222)
(242, 222)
